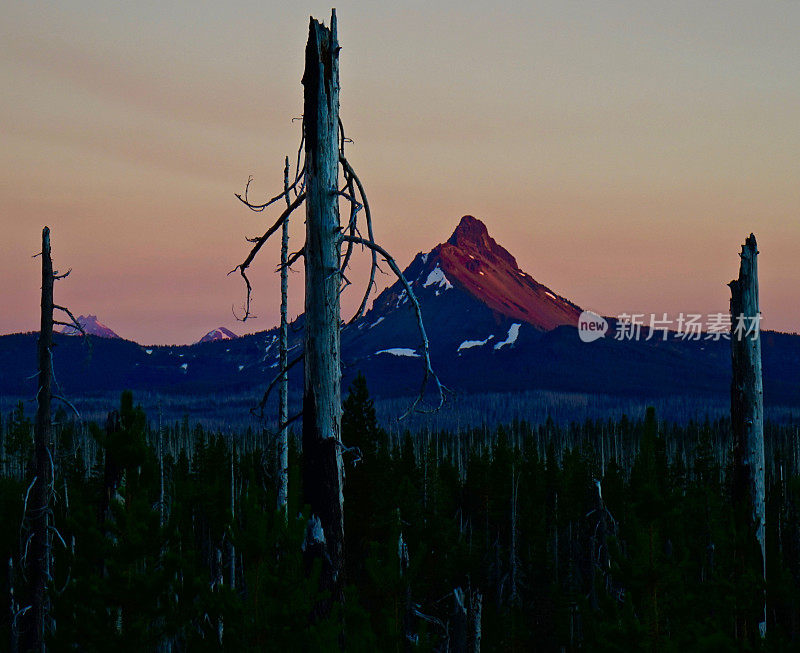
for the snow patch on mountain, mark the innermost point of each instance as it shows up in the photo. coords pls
(511, 338)
(438, 278)
(377, 322)
(469, 344)
(399, 351)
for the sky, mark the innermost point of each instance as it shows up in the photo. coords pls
(621, 151)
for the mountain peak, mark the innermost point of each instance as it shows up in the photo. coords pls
(472, 262)
(472, 238)
(220, 333)
(92, 326)
(470, 231)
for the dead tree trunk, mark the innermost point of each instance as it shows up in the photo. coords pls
(161, 506)
(283, 348)
(323, 474)
(513, 553)
(38, 507)
(475, 612)
(747, 409)
(460, 632)
(13, 644)
(231, 546)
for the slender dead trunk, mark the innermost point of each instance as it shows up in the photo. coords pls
(13, 644)
(460, 622)
(160, 470)
(38, 549)
(747, 408)
(323, 473)
(513, 552)
(231, 547)
(283, 348)
(476, 630)
(218, 586)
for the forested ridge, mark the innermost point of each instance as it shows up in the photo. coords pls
(602, 536)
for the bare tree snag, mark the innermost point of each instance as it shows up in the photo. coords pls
(38, 507)
(323, 473)
(231, 546)
(460, 634)
(513, 562)
(283, 348)
(747, 408)
(476, 610)
(161, 506)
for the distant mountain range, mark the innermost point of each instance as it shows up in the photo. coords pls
(93, 327)
(492, 328)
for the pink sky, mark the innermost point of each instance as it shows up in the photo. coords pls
(621, 151)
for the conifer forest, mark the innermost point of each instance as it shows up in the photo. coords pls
(454, 458)
(598, 536)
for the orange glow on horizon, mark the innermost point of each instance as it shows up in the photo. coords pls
(621, 154)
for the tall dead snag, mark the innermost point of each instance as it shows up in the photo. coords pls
(37, 549)
(747, 410)
(316, 184)
(283, 348)
(323, 474)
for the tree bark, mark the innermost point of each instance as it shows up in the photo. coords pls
(323, 473)
(38, 556)
(747, 409)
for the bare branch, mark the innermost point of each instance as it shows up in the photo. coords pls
(293, 258)
(429, 373)
(260, 207)
(272, 383)
(69, 404)
(293, 418)
(258, 245)
(351, 227)
(75, 324)
(57, 276)
(368, 214)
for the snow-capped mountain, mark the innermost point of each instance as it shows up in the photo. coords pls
(92, 326)
(492, 328)
(220, 333)
(471, 261)
(473, 296)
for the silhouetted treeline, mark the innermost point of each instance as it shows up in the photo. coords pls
(604, 536)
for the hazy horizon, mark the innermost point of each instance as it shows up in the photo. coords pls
(621, 153)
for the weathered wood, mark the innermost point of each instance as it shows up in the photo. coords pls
(323, 473)
(38, 508)
(747, 408)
